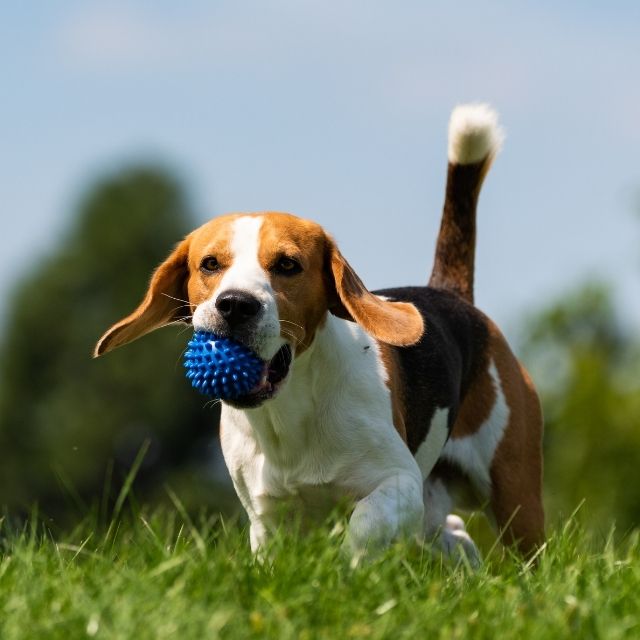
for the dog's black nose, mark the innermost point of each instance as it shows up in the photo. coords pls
(237, 307)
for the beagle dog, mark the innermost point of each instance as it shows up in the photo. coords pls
(391, 400)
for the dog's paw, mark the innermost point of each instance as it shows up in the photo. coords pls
(456, 544)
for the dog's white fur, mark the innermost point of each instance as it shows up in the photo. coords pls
(474, 133)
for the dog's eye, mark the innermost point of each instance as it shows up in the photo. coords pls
(287, 266)
(209, 264)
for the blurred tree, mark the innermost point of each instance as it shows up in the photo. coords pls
(63, 415)
(586, 368)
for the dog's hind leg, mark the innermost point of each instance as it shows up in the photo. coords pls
(446, 529)
(516, 503)
(516, 474)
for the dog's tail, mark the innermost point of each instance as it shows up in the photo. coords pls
(474, 140)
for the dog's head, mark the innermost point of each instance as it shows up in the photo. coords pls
(267, 280)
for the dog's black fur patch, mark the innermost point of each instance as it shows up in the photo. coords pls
(437, 371)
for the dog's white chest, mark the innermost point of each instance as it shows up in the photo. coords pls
(306, 491)
(327, 439)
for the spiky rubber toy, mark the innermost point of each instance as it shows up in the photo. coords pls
(221, 367)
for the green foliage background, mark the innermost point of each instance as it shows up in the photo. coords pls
(71, 426)
(586, 367)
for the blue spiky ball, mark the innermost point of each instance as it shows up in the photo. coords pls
(221, 367)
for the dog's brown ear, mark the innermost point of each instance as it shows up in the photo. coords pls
(396, 323)
(164, 303)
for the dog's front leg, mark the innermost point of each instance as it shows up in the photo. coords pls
(258, 536)
(392, 510)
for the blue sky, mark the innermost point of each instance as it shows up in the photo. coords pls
(337, 111)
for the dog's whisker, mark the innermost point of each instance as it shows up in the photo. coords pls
(209, 404)
(294, 338)
(183, 306)
(179, 320)
(293, 323)
(174, 298)
(184, 329)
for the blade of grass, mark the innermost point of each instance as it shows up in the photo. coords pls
(183, 512)
(131, 476)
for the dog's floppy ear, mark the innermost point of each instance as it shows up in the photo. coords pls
(162, 304)
(396, 323)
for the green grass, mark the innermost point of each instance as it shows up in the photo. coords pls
(161, 576)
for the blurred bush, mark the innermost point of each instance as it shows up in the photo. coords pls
(586, 367)
(66, 419)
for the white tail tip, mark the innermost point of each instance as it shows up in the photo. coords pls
(474, 133)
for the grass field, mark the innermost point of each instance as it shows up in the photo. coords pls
(161, 575)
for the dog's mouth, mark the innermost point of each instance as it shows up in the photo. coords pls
(274, 374)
